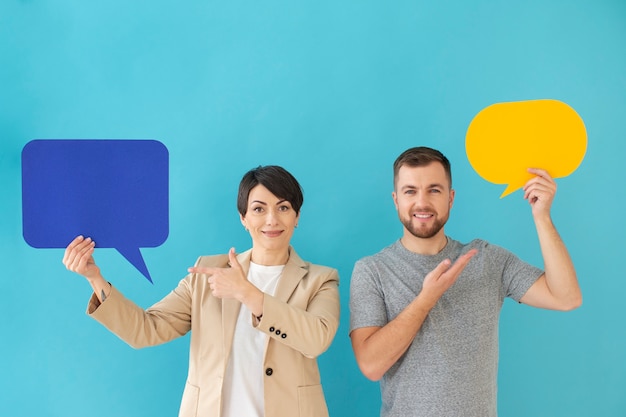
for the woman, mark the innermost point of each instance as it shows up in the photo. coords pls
(258, 319)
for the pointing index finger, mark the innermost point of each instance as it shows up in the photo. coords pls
(201, 270)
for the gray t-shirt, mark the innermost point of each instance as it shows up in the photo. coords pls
(451, 367)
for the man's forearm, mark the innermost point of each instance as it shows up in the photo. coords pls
(559, 270)
(381, 349)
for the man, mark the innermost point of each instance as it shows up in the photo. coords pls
(424, 311)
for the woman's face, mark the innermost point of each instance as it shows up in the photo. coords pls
(269, 219)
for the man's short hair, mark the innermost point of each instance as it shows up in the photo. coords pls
(421, 156)
(277, 180)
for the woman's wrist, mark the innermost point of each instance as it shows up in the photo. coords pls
(253, 299)
(101, 287)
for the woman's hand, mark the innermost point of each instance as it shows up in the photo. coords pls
(79, 258)
(232, 283)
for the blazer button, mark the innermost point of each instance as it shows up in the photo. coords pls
(272, 329)
(277, 332)
(269, 371)
(284, 335)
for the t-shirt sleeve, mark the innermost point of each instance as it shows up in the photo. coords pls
(367, 304)
(518, 276)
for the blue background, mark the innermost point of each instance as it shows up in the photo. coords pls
(333, 91)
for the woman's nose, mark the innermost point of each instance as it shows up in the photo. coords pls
(271, 217)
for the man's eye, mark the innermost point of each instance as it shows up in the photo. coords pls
(409, 192)
(435, 190)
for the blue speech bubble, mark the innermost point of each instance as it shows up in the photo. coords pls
(115, 191)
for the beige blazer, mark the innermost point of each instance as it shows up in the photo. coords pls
(301, 320)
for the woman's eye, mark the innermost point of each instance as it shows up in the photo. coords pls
(283, 208)
(257, 209)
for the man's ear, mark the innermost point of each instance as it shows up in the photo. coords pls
(395, 199)
(452, 193)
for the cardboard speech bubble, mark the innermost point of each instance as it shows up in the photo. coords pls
(505, 139)
(114, 191)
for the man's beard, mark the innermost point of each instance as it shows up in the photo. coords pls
(421, 232)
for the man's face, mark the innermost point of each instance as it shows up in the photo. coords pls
(423, 199)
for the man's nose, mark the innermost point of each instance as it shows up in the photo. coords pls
(420, 198)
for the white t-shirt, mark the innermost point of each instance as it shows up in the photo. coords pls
(243, 382)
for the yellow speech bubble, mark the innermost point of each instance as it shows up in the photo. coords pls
(505, 139)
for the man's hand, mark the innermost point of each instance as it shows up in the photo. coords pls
(540, 191)
(442, 277)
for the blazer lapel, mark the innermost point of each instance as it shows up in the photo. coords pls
(294, 271)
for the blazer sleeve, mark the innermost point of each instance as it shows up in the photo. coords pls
(166, 320)
(308, 321)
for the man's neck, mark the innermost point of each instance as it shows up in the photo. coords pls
(424, 246)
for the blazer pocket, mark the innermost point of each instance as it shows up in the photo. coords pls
(311, 401)
(189, 403)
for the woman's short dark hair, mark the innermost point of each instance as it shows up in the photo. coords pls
(277, 180)
(418, 157)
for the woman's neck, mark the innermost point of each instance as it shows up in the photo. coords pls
(269, 257)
